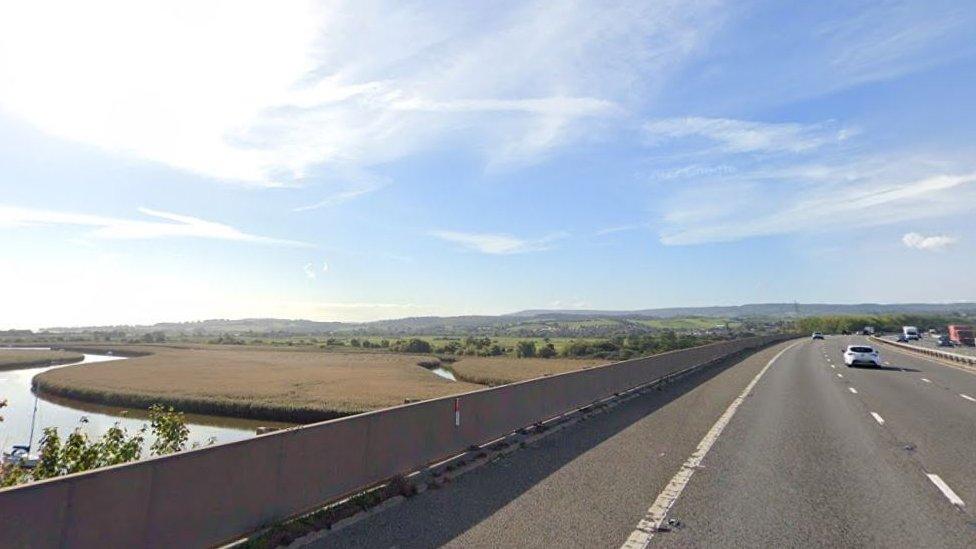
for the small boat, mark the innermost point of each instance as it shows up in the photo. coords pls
(19, 455)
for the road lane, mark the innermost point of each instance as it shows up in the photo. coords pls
(934, 418)
(582, 487)
(804, 463)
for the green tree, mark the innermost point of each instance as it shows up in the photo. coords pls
(547, 351)
(413, 345)
(525, 349)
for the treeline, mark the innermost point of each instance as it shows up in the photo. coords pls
(836, 324)
(625, 347)
(616, 348)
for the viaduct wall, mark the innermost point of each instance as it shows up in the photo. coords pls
(215, 494)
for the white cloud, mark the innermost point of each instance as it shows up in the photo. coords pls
(620, 229)
(335, 199)
(309, 270)
(740, 136)
(713, 213)
(175, 225)
(498, 244)
(191, 86)
(325, 267)
(931, 243)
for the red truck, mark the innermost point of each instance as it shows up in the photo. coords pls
(961, 335)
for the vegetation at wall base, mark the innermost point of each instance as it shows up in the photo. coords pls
(78, 452)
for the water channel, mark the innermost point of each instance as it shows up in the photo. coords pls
(65, 414)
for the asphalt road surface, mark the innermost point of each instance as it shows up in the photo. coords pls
(787, 447)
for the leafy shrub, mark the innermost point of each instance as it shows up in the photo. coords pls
(77, 452)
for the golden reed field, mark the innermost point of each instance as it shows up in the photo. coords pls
(297, 385)
(11, 359)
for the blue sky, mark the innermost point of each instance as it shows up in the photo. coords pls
(363, 160)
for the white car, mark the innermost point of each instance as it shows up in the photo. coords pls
(861, 354)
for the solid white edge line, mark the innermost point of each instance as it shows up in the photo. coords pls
(878, 418)
(658, 511)
(852, 389)
(967, 397)
(946, 491)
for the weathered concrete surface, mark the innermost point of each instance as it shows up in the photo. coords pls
(211, 495)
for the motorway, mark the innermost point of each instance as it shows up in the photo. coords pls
(786, 447)
(929, 342)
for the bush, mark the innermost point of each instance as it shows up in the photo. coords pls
(413, 345)
(547, 351)
(525, 349)
(78, 452)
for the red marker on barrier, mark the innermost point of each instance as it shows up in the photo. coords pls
(457, 412)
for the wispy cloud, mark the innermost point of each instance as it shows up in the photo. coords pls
(335, 199)
(740, 136)
(499, 244)
(620, 229)
(311, 272)
(804, 208)
(173, 226)
(929, 243)
(309, 96)
(549, 106)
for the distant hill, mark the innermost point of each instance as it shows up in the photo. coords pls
(777, 310)
(535, 321)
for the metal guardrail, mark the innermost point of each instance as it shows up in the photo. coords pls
(213, 495)
(933, 352)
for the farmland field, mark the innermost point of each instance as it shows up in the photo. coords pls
(11, 359)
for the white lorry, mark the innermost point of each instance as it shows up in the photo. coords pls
(910, 332)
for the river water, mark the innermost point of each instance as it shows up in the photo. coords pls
(444, 373)
(15, 387)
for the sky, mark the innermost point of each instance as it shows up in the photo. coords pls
(171, 161)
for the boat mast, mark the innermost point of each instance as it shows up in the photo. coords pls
(30, 441)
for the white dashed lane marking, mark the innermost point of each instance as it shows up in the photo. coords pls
(967, 397)
(840, 375)
(946, 491)
(878, 418)
(926, 380)
(852, 389)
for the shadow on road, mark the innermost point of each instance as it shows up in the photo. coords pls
(885, 368)
(441, 515)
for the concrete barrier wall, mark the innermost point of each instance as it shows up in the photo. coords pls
(955, 357)
(211, 495)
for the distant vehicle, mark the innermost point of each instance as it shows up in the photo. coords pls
(961, 335)
(902, 338)
(944, 341)
(817, 335)
(861, 354)
(910, 332)
(868, 331)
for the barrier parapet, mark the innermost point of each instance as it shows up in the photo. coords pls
(215, 494)
(933, 352)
